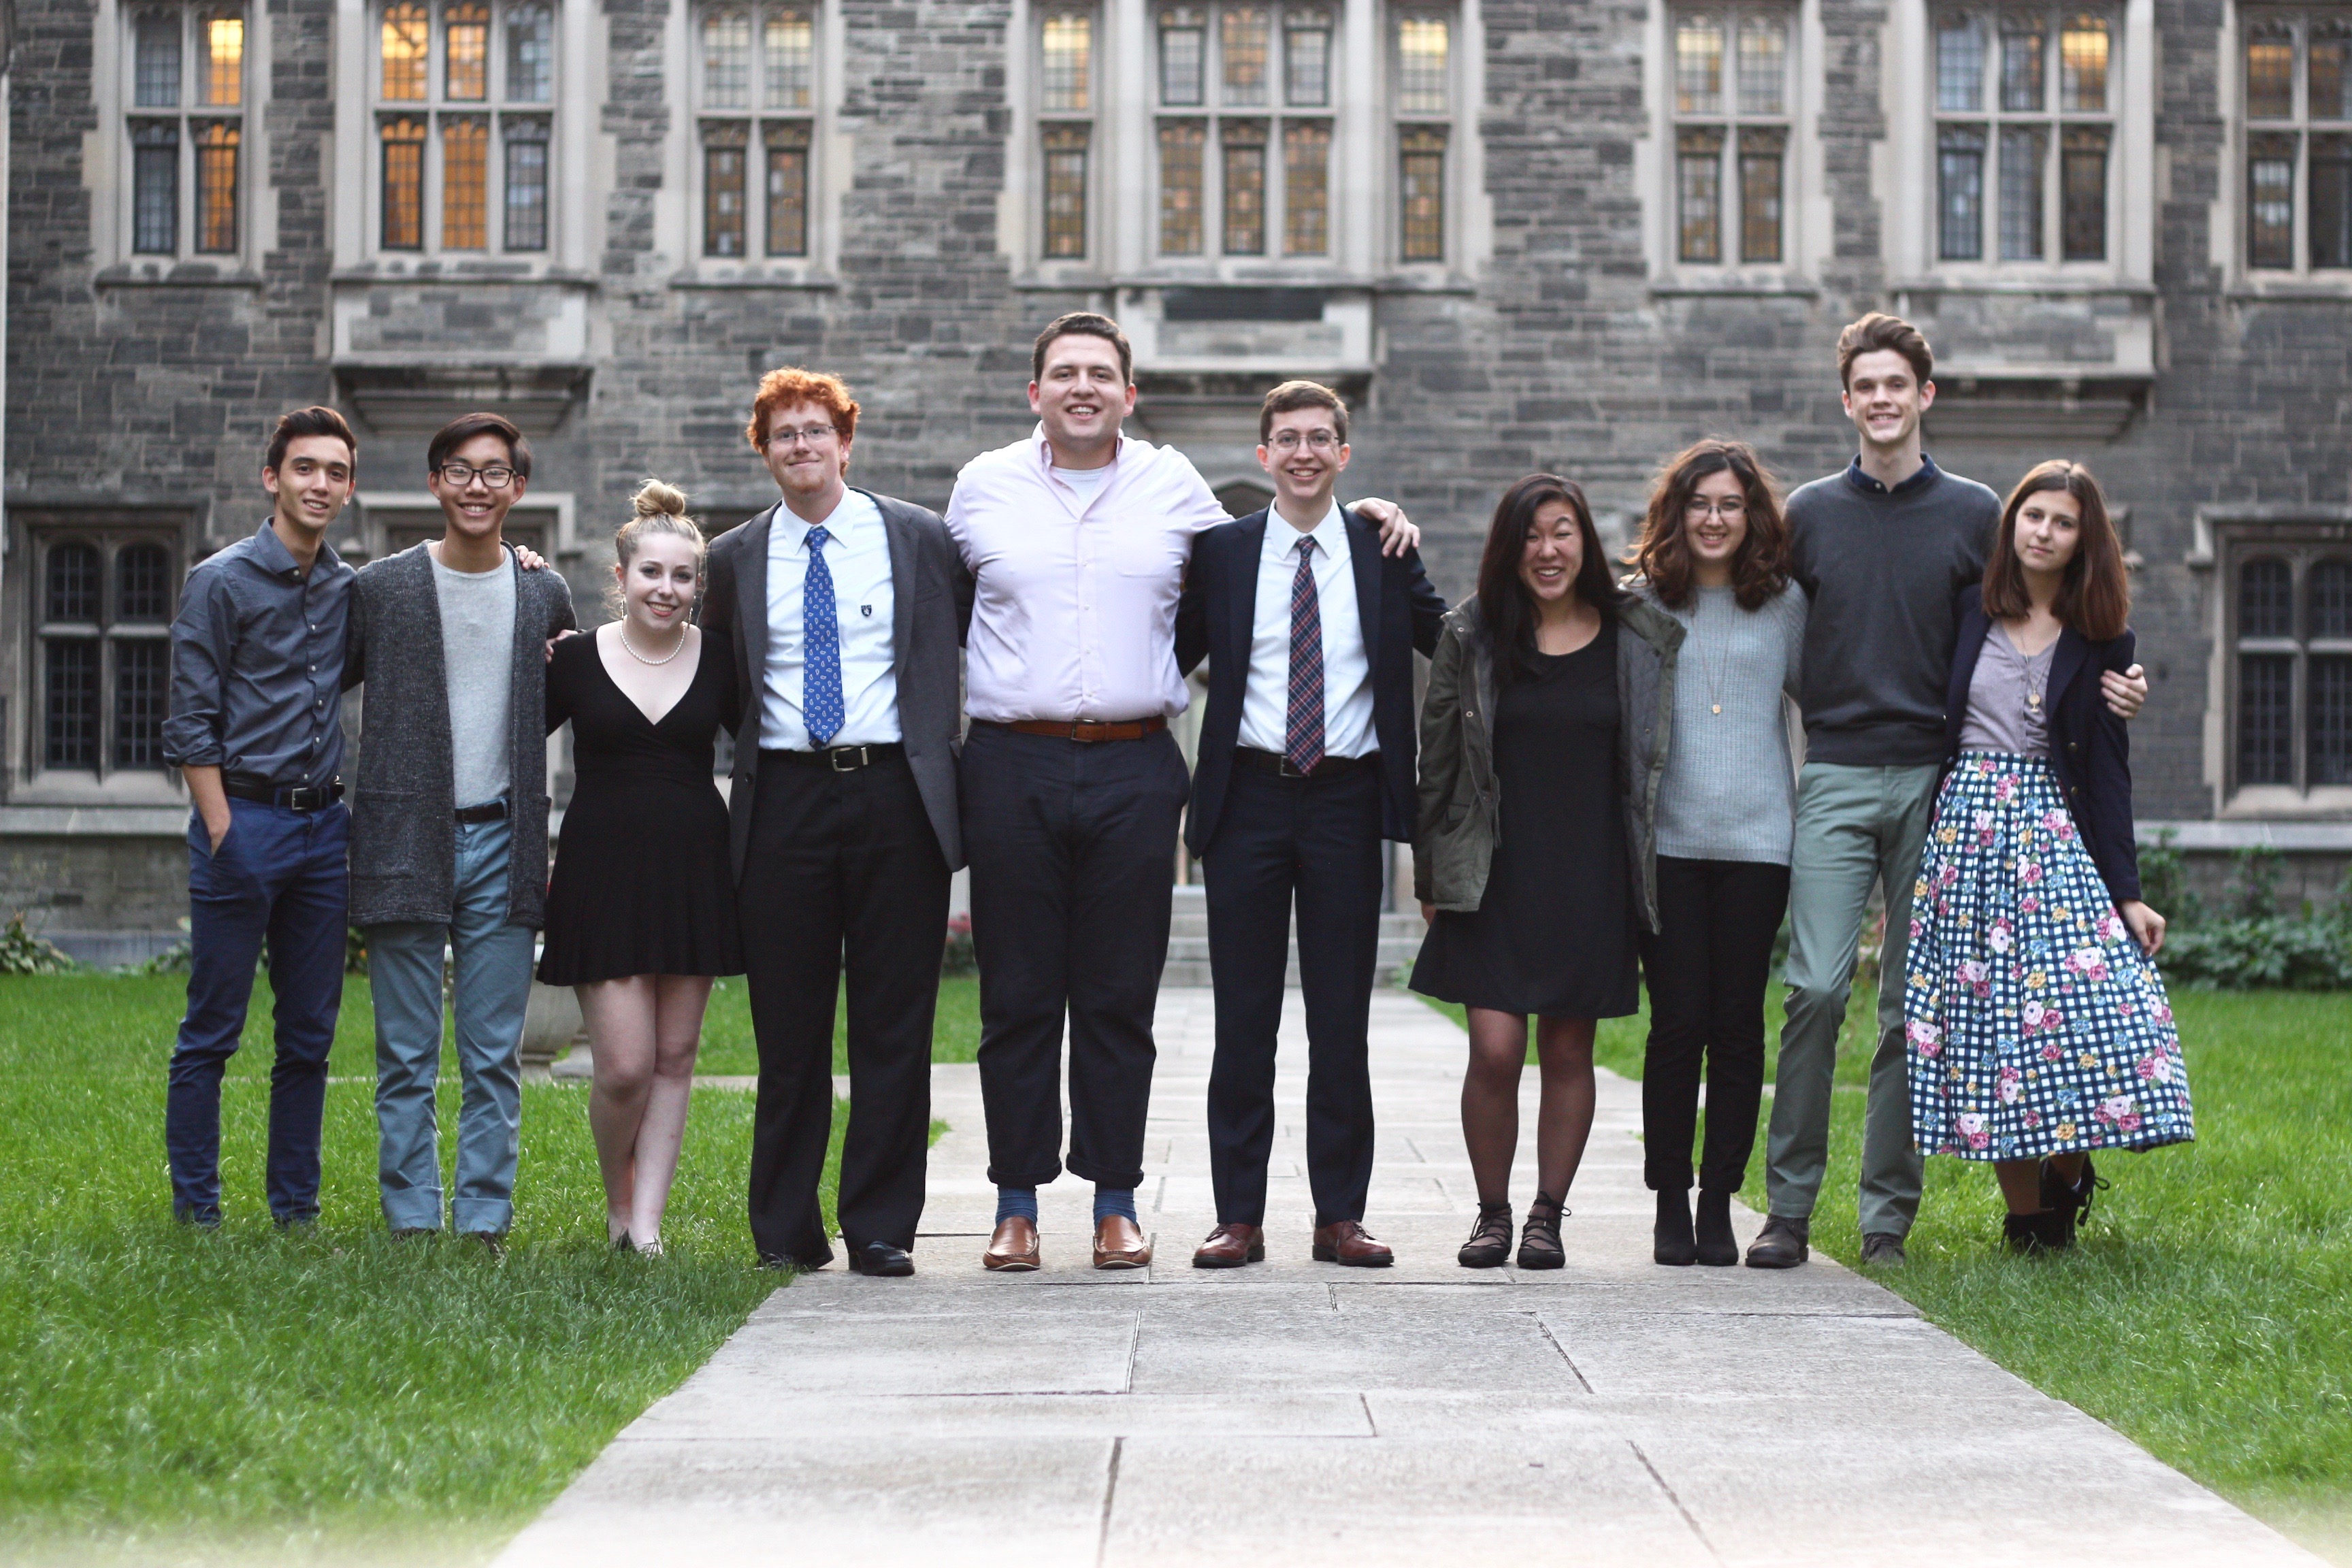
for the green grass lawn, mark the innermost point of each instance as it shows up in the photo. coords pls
(168, 1396)
(2207, 1313)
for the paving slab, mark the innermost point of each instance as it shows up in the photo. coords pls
(1608, 1412)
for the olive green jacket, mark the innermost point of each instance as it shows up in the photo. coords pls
(1461, 803)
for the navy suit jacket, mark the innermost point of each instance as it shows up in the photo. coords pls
(2090, 748)
(1216, 619)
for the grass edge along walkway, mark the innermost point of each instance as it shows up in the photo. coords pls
(2207, 1313)
(330, 1395)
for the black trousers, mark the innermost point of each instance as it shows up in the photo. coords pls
(1708, 969)
(843, 874)
(1072, 851)
(1314, 842)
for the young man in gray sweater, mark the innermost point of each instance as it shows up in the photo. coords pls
(1883, 549)
(449, 823)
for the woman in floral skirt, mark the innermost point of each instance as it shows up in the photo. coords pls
(2039, 1030)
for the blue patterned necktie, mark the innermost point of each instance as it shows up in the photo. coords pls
(820, 646)
(1302, 731)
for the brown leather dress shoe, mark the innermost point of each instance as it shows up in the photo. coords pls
(1119, 1245)
(1351, 1244)
(1013, 1248)
(1230, 1247)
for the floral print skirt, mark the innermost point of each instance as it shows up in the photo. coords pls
(2036, 1025)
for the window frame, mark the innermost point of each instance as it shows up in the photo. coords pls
(2301, 546)
(497, 111)
(1731, 122)
(761, 130)
(1269, 122)
(1400, 126)
(1056, 132)
(188, 121)
(1992, 117)
(109, 632)
(2300, 127)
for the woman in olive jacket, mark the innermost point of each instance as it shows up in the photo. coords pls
(1543, 740)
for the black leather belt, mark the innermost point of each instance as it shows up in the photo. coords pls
(488, 811)
(840, 759)
(293, 797)
(1280, 765)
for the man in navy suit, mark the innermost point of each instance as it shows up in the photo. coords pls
(1305, 765)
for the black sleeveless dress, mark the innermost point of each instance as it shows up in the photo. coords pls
(642, 883)
(1554, 934)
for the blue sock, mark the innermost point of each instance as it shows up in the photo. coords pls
(1012, 1201)
(1118, 1200)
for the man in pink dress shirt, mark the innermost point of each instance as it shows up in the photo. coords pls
(1071, 786)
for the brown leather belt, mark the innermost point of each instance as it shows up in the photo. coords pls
(1275, 764)
(1082, 729)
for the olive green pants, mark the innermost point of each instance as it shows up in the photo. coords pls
(1856, 827)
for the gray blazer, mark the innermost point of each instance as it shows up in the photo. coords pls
(1461, 809)
(403, 837)
(931, 596)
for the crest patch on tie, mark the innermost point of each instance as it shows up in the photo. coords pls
(867, 610)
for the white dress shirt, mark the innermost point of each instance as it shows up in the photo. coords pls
(1347, 670)
(857, 554)
(1073, 598)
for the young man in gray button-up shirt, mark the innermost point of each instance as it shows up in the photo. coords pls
(256, 730)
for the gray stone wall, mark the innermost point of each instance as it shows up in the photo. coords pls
(1563, 353)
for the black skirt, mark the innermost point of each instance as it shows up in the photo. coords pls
(642, 883)
(1554, 934)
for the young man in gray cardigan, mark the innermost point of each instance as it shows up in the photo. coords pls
(449, 823)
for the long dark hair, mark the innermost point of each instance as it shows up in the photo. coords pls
(2094, 595)
(1760, 568)
(1506, 611)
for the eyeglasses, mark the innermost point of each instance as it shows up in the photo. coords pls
(1314, 440)
(1730, 507)
(457, 475)
(814, 435)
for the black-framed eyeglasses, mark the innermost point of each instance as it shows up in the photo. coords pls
(814, 434)
(457, 475)
(1314, 440)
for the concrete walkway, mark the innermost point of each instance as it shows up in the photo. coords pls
(1297, 1413)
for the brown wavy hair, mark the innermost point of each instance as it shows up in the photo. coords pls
(2094, 595)
(1760, 568)
(1506, 611)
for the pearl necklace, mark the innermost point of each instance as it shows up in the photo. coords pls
(641, 658)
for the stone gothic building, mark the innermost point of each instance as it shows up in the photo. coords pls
(1567, 235)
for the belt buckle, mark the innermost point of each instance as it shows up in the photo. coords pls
(833, 759)
(1286, 768)
(305, 797)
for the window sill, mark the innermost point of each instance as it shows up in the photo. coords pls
(469, 274)
(1733, 287)
(2333, 290)
(803, 281)
(178, 275)
(2281, 804)
(2234, 833)
(2043, 283)
(98, 819)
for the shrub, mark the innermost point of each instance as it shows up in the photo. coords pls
(22, 953)
(2252, 945)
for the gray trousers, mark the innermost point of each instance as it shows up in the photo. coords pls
(1856, 827)
(490, 991)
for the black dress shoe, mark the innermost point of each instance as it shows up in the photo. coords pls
(1783, 1243)
(881, 1260)
(1670, 1240)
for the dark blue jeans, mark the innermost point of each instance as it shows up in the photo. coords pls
(282, 875)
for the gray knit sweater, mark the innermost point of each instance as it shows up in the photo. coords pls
(1728, 792)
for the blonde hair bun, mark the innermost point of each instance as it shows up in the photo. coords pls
(655, 499)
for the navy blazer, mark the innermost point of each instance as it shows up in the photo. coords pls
(2090, 748)
(1216, 619)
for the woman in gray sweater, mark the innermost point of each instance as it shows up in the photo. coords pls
(1714, 554)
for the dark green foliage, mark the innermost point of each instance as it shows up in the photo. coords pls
(22, 953)
(2250, 943)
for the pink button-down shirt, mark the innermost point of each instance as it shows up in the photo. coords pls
(1073, 603)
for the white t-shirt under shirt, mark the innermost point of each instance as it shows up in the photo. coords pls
(477, 620)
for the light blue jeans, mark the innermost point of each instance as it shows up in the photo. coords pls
(491, 991)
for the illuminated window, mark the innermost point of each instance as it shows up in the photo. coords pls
(1066, 190)
(1181, 178)
(757, 95)
(1421, 193)
(185, 183)
(1731, 134)
(1069, 63)
(2298, 97)
(457, 170)
(2025, 134)
(1424, 61)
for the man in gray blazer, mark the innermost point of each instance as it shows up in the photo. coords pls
(844, 610)
(449, 823)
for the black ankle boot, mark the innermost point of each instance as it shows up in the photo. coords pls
(1716, 1246)
(1672, 1243)
(2073, 1200)
(2051, 1230)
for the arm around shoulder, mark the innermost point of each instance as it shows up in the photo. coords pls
(1426, 604)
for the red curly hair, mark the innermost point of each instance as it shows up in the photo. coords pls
(792, 387)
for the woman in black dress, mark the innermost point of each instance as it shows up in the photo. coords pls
(1522, 866)
(640, 912)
